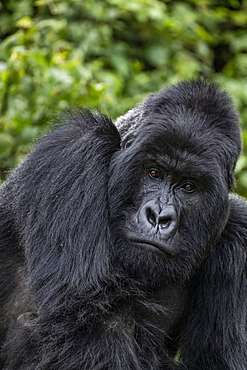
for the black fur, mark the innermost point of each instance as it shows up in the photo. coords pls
(121, 244)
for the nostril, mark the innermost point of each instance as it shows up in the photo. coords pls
(151, 216)
(165, 221)
(158, 218)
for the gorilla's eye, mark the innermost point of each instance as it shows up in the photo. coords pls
(155, 173)
(189, 187)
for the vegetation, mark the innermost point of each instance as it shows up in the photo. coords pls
(110, 54)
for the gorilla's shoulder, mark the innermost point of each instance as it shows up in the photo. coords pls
(238, 214)
(74, 124)
(238, 205)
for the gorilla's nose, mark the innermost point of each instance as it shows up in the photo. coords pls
(160, 217)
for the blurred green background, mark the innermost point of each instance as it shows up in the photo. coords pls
(110, 54)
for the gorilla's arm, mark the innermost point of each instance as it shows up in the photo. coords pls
(55, 205)
(57, 197)
(55, 212)
(218, 301)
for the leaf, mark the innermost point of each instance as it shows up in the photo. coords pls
(6, 145)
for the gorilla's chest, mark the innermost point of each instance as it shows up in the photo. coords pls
(163, 312)
(173, 299)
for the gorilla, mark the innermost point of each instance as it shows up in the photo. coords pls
(122, 246)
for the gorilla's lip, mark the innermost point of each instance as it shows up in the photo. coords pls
(153, 244)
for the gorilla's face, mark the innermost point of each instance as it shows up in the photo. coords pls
(168, 201)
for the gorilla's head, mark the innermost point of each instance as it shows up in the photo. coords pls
(169, 183)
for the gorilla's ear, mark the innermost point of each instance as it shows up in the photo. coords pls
(60, 202)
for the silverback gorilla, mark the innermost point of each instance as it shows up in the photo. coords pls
(121, 245)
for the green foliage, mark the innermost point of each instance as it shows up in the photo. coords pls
(110, 54)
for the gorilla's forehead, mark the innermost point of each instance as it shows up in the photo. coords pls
(178, 141)
(180, 149)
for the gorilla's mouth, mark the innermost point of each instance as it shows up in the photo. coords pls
(152, 245)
